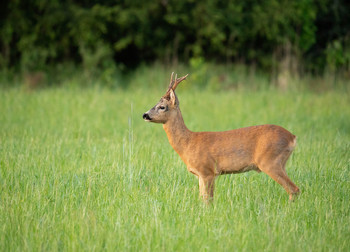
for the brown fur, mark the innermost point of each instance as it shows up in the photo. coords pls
(210, 154)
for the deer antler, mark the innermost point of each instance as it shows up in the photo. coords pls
(174, 82)
(171, 81)
(178, 80)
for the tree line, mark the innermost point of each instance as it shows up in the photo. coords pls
(300, 36)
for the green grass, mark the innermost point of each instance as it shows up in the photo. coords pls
(80, 170)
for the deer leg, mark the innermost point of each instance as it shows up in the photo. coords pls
(277, 173)
(206, 188)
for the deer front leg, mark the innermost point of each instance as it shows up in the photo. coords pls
(206, 188)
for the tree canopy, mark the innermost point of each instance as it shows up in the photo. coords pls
(307, 35)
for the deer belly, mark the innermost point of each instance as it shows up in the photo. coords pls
(251, 167)
(235, 165)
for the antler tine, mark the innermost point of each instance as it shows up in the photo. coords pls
(171, 81)
(175, 82)
(178, 80)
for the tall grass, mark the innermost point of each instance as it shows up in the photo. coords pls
(81, 170)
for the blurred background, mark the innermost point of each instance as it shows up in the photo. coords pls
(45, 42)
(81, 171)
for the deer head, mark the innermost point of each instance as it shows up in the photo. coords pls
(167, 105)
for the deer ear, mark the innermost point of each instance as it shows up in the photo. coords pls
(172, 97)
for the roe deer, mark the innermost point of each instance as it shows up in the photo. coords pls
(209, 154)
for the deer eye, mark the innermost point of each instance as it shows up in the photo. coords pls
(161, 107)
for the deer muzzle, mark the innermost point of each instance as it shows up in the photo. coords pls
(146, 117)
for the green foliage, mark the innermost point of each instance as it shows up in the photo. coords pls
(338, 55)
(107, 36)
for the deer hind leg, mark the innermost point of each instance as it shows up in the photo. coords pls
(280, 176)
(206, 188)
(277, 172)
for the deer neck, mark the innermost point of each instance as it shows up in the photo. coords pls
(177, 132)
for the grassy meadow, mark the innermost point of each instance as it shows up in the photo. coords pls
(81, 171)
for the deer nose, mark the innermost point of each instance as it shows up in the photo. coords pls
(146, 116)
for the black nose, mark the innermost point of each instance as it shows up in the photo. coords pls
(146, 116)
